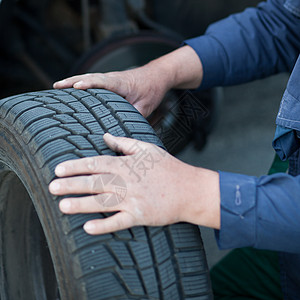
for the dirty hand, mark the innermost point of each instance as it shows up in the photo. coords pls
(145, 87)
(147, 186)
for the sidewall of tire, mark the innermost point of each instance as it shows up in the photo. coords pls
(13, 152)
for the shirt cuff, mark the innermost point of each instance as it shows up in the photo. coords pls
(238, 213)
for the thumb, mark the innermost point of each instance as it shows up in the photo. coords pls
(123, 145)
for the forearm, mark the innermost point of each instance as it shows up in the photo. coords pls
(181, 69)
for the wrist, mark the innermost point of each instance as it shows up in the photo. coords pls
(161, 73)
(181, 69)
(201, 204)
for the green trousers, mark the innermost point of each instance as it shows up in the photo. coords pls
(249, 273)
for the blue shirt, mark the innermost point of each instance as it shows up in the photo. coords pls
(261, 212)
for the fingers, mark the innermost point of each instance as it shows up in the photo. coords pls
(75, 185)
(68, 82)
(87, 165)
(101, 164)
(106, 202)
(84, 82)
(118, 221)
(89, 184)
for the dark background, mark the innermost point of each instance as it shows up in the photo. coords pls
(42, 40)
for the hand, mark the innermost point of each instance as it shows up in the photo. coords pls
(147, 186)
(138, 86)
(146, 86)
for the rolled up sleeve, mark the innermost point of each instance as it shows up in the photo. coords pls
(253, 44)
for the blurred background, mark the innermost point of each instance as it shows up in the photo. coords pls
(43, 41)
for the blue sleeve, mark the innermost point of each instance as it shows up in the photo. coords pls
(253, 44)
(260, 212)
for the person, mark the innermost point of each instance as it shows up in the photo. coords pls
(260, 212)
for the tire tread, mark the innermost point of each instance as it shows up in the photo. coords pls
(142, 262)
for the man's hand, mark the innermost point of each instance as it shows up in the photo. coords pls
(145, 87)
(138, 86)
(147, 186)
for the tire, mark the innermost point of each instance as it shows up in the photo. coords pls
(46, 254)
(125, 52)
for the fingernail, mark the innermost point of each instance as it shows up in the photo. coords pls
(65, 205)
(60, 170)
(60, 81)
(54, 186)
(77, 84)
(89, 227)
(107, 134)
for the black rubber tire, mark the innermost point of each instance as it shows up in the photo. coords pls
(46, 254)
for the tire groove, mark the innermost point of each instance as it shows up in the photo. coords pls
(156, 270)
(137, 269)
(175, 263)
(21, 112)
